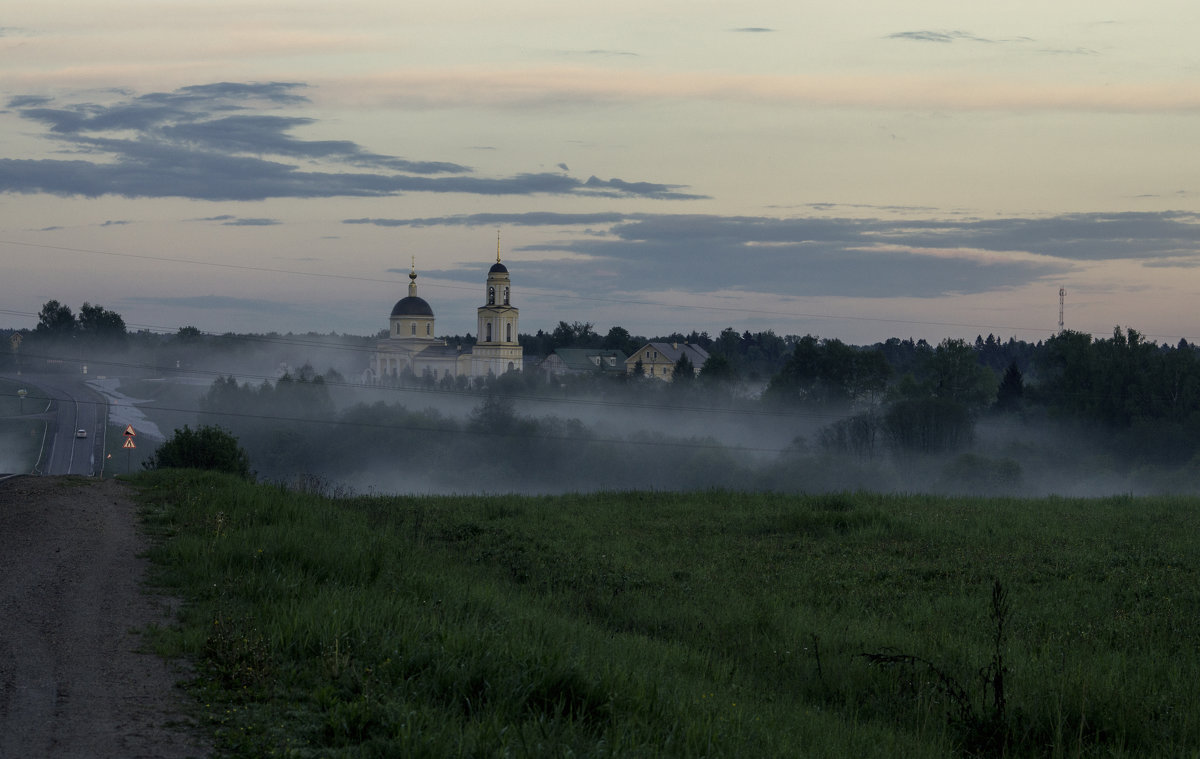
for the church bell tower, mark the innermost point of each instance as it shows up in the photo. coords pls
(496, 347)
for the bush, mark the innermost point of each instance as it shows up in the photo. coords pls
(203, 448)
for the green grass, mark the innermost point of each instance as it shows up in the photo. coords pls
(20, 443)
(20, 439)
(11, 403)
(667, 624)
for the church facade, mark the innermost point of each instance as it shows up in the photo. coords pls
(411, 345)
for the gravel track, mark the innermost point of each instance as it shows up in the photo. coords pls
(72, 682)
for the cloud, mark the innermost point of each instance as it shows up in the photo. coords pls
(817, 256)
(533, 219)
(1068, 51)
(252, 223)
(754, 29)
(574, 86)
(606, 53)
(926, 35)
(27, 101)
(1070, 237)
(218, 142)
(229, 220)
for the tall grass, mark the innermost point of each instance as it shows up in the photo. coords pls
(666, 624)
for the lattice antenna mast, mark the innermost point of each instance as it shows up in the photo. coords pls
(1062, 294)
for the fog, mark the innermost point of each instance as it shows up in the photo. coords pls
(299, 407)
(431, 441)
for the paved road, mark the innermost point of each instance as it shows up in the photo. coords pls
(72, 406)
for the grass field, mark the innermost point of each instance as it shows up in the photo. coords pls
(11, 403)
(668, 624)
(20, 439)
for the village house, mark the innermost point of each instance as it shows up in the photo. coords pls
(658, 360)
(583, 361)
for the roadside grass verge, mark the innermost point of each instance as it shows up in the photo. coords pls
(667, 624)
(20, 444)
(11, 403)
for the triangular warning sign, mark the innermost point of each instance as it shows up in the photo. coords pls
(129, 430)
(129, 443)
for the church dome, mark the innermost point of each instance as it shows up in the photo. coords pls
(412, 306)
(498, 268)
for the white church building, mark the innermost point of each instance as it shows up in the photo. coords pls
(411, 344)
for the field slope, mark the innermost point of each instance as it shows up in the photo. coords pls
(668, 624)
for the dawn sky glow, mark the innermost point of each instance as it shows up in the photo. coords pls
(858, 171)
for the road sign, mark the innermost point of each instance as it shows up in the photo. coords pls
(129, 443)
(129, 431)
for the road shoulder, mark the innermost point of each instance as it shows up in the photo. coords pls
(72, 680)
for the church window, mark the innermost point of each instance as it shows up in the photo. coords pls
(506, 296)
(428, 329)
(491, 296)
(489, 333)
(508, 333)
(414, 328)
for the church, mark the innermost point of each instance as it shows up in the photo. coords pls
(412, 347)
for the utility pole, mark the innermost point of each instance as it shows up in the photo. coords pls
(1062, 294)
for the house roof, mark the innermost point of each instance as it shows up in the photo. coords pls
(672, 351)
(580, 359)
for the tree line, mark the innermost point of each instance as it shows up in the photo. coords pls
(899, 395)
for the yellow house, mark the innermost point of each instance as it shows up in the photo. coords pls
(658, 359)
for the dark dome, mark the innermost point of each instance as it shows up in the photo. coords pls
(498, 268)
(412, 306)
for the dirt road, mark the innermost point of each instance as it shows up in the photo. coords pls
(71, 600)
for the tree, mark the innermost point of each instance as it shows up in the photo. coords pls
(575, 335)
(190, 334)
(55, 320)
(928, 425)
(204, 448)
(717, 370)
(684, 371)
(1012, 387)
(619, 339)
(829, 371)
(98, 322)
(955, 374)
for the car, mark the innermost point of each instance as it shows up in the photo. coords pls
(80, 433)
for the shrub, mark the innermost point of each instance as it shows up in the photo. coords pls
(204, 448)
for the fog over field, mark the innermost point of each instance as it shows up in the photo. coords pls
(1095, 417)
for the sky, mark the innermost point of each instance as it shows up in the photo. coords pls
(859, 170)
